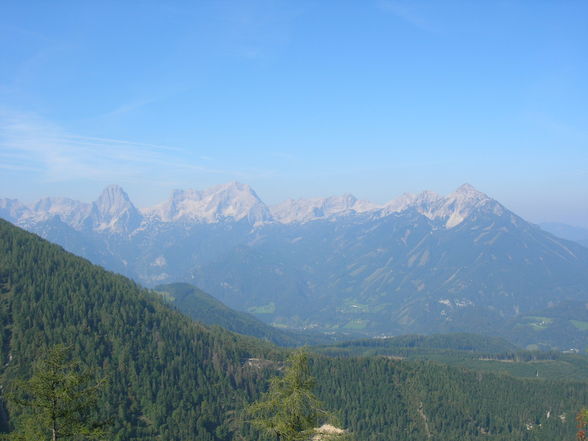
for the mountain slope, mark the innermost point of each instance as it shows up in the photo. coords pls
(401, 273)
(204, 308)
(175, 380)
(563, 325)
(568, 232)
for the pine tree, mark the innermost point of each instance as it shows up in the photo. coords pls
(58, 400)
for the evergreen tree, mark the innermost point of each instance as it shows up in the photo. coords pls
(60, 399)
(290, 411)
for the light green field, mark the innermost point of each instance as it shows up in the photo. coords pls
(582, 326)
(356, 324)
(539, 323)
(270, 308)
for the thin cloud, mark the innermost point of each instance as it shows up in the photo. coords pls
(28, 142)
(17, 168)
(101, 141)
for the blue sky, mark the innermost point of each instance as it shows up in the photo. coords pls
(298, 99)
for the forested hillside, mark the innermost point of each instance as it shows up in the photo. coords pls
(475, 352)
(394, 400)
(173, 379)
(405, 344)
(168, 376)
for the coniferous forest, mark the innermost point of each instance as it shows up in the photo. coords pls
(170, 378)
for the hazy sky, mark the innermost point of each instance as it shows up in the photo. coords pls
(298, 99)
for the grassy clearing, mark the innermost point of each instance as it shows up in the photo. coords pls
(270, 308)
(582, 326)
(538, 323)
(356, 324)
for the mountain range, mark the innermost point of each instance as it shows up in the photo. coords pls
(420, 263)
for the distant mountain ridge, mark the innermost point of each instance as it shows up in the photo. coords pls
(305, 210)
(114, 212)
(569, 232)
(418, 264)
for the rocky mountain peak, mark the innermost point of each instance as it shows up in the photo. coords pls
(460, 204)
(422, 202)
(113, 211)
(453, 208)
(339, 203)
(113, 200)
(232, 201)
(68, 210)
(13, 209)
(305, 210)
(469, 193)
(466, 188)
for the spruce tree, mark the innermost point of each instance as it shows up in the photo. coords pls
(58, 401)
(290, 411)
